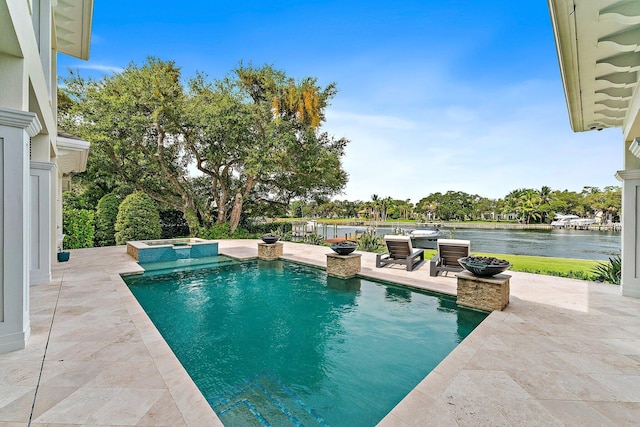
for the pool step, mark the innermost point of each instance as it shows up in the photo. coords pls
(165, 267)
(264, 401)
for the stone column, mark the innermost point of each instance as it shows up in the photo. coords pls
(344, 266)
(41, 222)
(630, 253)
(16, 127)
(483, 293)
(270, 251)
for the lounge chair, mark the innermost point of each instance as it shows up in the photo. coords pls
(446, 259)
(400, 251)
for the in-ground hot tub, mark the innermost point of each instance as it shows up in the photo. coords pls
(147, 251)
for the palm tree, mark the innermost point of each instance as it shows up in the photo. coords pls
(546, 197)
(528, 204)
(385, 204)
(375, 201)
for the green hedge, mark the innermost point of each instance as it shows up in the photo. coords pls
(138, 219)
(106, 215)
(78, 228)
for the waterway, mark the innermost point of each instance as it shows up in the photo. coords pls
(558, 243)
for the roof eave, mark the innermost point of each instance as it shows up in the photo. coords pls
(72, 154)
(564, 31)
(73, 27)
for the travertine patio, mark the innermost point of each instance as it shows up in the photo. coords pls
(564, 352)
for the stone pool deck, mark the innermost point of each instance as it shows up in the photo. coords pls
(563, 352)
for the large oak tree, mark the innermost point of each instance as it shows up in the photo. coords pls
(253, 136)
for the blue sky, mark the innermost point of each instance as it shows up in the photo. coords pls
(459, 95)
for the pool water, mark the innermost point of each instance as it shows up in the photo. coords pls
(279, 343)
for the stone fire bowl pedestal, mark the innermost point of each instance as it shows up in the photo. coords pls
(343, 266)
(483, 293)
(270, 251)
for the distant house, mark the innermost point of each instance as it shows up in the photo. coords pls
(35, 159)
(508, 217)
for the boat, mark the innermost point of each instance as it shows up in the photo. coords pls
(304, 228)
(311, 227)
(571, 221)
(425, 238)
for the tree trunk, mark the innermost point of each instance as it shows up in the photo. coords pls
(222, 204)
(235, 213)
(238, 202)
(223, 195)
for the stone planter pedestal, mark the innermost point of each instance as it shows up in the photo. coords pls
(343, 266)
(483, 293)
(270, 251)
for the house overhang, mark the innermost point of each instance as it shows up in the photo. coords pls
(73, 20)
(72, 154)
(598, 46)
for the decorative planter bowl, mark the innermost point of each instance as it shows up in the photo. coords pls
(270, 239)
(63, 256)
(344, 248)
(484, 266)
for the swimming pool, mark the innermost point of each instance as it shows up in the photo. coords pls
(280, 343)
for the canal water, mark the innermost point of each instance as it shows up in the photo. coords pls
(557, 243)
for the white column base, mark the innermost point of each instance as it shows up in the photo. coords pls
(13, 342)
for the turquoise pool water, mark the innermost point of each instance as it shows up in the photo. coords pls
(279, 343)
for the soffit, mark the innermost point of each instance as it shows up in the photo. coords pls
(72, 153)
(599, 54)
(73, 20)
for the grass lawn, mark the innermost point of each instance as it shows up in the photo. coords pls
(564, 267)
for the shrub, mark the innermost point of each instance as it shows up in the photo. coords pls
(223, 231)
(313, 239)
(74, 200)
(216, 231)
(77, 226)
(369, 241)
(138, 219)
(281, 231)
(610, 272)
(240, 233)
(106, 215)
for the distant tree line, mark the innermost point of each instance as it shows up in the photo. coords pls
(523, 205)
